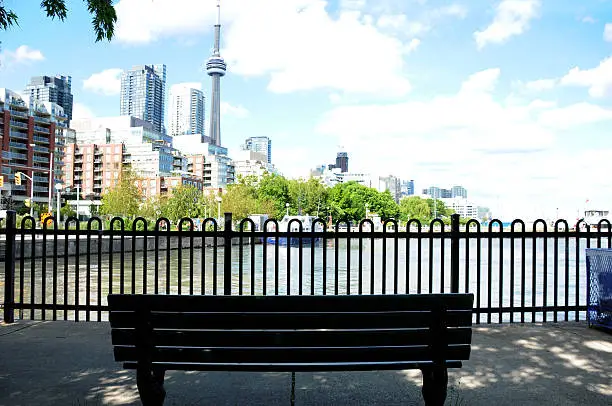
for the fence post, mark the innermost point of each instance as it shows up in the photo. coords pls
(455, 253)
(227, 255)
(9, 267)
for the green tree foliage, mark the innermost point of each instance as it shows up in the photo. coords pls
(103, 15)
(240, 200)
(186, 201)
(123, 199)
(273, 191)
(348, 201)
(414, 207)
(310, 196)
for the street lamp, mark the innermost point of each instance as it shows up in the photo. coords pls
(287, 206)
(58, 188)
(219, 200)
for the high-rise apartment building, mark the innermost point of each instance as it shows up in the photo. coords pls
(186, 110)
(55, 89)
(262, 145)
(29, 138)
(143, 91)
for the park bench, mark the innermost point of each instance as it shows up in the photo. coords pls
(156, 333)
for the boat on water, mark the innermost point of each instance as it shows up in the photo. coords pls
(592, 218)
(294, 227)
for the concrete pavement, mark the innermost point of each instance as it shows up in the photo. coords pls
(68, 363)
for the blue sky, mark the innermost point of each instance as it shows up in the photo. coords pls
(512, 98)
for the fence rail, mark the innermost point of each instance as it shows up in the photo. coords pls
(516, 275)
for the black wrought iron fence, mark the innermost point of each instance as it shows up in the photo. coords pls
(516, 275)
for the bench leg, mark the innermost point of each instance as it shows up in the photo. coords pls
(151, 386)
(435, 381)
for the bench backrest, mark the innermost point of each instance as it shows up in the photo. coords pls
(291, 329)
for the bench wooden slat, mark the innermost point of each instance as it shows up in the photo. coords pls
(180, 303)
(299, 338)
(292, 355)
(311, 320)
(287, 367)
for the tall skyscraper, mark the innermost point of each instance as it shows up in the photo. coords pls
(216, 67)
(342, 161)
(143, 91)
(459, 191)
(262, 145)
(186, 110)
(56, 89)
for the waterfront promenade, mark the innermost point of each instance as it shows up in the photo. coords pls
(68, 363)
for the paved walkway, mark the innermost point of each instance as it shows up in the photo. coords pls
(68, 363)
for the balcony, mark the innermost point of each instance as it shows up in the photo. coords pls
(18, 145)
(42, 150)
(20, 114)
(78, 169)
(40, 129)
(19, 134)
(44, 140)
(40, 159)
(18, 124)
(78, 160)
(41, 119)
(40, 178)
(17, 156)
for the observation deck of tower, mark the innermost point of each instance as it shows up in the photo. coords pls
(216, 67)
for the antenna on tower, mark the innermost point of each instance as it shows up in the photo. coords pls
(218, 12)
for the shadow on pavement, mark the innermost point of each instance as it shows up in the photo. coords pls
(68, 363)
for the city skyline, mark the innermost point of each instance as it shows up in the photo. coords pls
(495, 98)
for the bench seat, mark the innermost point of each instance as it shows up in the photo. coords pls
(155, 333)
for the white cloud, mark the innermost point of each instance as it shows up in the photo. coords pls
(402, 25)
(107, 82)
(607, 35)
(588, 19)
(412, 45)
(598, 80)
(492, 147)
(541, 84)
(79, 110)
(512, 18)
(301, 58)
(235, 111)
(22, 55)
(574, 115)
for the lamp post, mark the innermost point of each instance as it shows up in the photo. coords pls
(366, 207)
(287, 207)
(219, 200)
(58, 189)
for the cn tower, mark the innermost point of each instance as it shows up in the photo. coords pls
(216, 67)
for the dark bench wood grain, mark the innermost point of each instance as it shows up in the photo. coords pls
(156, 333)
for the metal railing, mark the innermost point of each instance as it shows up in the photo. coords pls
(516, 275)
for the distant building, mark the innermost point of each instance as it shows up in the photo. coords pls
(165, 185)
(462, 207)
(143, 91)
(218, 169)
(54, 89)
(392, 184)
(342, 161)
(438, 193)
(459, 191)
(263, 145)
(407, 188)
(186, 110)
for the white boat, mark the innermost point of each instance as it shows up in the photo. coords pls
(307, 227)
(592, 218)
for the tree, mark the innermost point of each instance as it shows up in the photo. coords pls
(414, 207)
(240, 200)
(103, 14)
(184, 202)
(124, 199)
(274, 190)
